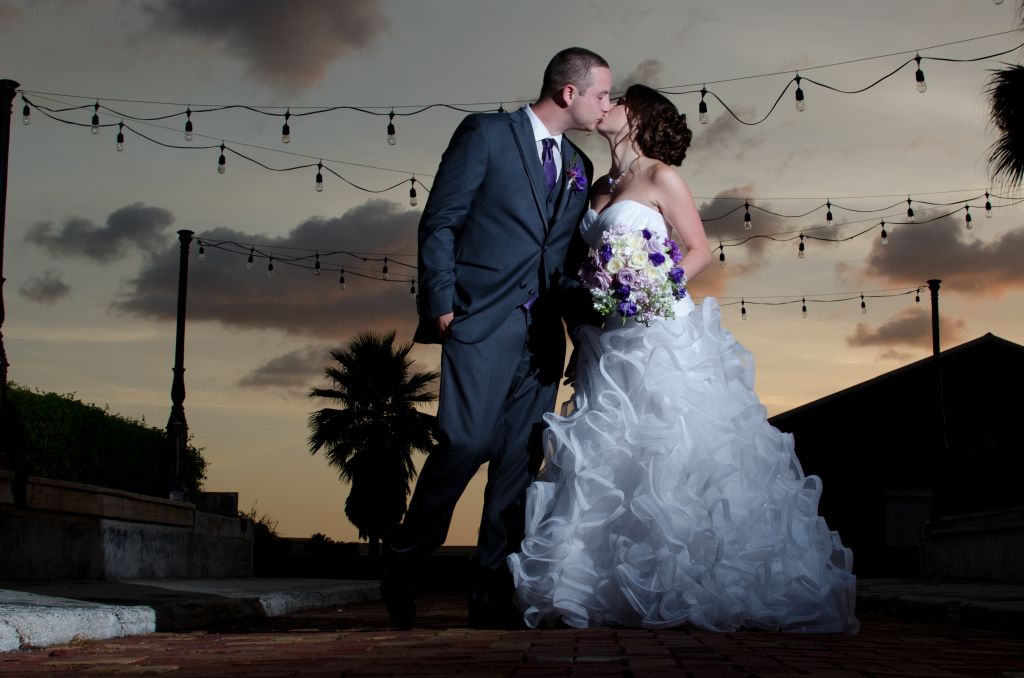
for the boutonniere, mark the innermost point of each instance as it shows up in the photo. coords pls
(576, 178)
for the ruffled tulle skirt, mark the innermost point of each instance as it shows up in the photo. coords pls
(666, 497)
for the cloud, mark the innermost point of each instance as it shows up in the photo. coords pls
(294, 369)
(910, 327)
(134, 226)
(47, 288)
(647, 72)
(290, 43)
(943, 249)
(295, 301)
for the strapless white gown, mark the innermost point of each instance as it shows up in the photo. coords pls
(666, 498)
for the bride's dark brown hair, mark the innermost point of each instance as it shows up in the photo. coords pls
(661, 132)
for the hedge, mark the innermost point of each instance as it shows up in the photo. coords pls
(60, 437)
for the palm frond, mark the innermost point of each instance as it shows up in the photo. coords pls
(1005, 92)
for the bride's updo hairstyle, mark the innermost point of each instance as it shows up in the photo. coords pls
(661, 132)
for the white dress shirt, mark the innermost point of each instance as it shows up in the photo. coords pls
(540, 133)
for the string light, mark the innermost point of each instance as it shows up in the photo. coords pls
(801, 105)
(392, 137)
(249, 262)
(803, 307)
(319, 177)
(96, 118)
(910, 211)
(988, 206)
(721, 255)
(746, 217)
(341, 279)
(743, 309)
(286, 130)
(316, 265)
(800, 250)
(202, 251)
(828, 214)
(384, 271)
(885, 236)
(863, 305)
(222, 162)
(188, 124)
(917, 296)
(412, 288)
(967, 217)
(270, 267)
(26, 113)
(702, 108)
(922, 86)
(412, 192)
(120, 137)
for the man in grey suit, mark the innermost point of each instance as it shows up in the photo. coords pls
(498, 248)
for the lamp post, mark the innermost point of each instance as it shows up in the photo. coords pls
(8, 88)
(177, 427)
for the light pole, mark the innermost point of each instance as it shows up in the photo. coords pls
(177, 427)
(8, 88)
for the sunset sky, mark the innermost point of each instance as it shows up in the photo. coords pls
(91, 247)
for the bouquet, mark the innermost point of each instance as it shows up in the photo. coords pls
(634, 274)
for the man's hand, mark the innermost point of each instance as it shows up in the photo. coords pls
(443, 325)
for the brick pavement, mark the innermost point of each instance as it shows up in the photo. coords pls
(358, 641)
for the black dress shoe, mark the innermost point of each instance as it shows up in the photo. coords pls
(399, 597)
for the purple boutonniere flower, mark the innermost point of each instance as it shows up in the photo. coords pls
(576, 178)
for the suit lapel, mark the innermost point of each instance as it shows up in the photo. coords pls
(527, 145)
(569, 195)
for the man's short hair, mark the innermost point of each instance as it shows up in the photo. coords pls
(571, 66)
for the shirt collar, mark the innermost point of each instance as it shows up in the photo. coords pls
(539, 130)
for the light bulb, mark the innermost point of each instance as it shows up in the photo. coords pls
(384, 271)
(392, 137)
(202, 251)
(286, 130)
(341, 279)
(222, 162)
(988, 207)
(26, 115)
(316, 265)
(828, 213)
(746, 217)
(801, 105)
(120, 137)
(967, 217)
(922, 86)
(917, 296)
(702, 108)
(412, 288)
(863, 306)
(743, 310)
(910, 212)
(96, 118)
(721, 256)
(188, 124)
(249, 261)
(803, 307)
(412, 192)
(800, 250)
(319, 178)
(270, 268)
(885, 236)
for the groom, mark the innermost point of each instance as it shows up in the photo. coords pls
(498, 245)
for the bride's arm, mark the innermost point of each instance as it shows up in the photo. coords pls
(677, 206)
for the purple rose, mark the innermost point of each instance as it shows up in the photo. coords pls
(676, 274)
(626, 277)
(606, 252)
(657, 258)
(673, 252)
(646, 234)
(627, 309)
(679, 292)
(623, 291)
(601, 280)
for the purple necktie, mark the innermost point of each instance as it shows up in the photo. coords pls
(550, 173)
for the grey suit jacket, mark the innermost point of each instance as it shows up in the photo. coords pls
(491, 236)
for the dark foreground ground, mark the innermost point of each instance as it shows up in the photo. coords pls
(358, 641)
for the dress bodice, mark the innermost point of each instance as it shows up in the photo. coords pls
(629, 212)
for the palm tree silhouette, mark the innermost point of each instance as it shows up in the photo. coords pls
(1006, 112)
(370, 438)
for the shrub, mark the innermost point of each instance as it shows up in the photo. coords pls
(60, 437)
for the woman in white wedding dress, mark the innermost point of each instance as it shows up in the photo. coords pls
(666, 497)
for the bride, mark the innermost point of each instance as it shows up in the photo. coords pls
(666, 498)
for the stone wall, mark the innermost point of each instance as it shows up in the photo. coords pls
(66, 530)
